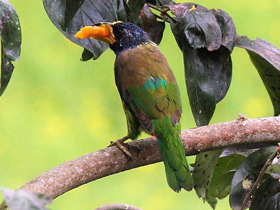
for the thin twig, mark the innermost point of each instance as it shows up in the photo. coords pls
(163, 10)
(258, 181)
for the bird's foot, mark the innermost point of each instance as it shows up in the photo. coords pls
(120, 144)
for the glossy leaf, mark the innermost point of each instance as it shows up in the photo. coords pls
(10, 42)
(150, 24)
(248, 170)
(221, 180)
(86, 12)
(267, 196)
(23, 200)
(266, 58)
(206, 40)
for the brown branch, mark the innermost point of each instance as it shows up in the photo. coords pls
(118, 207)
(105, 162)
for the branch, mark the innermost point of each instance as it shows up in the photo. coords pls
(108, 161)
(117, 207)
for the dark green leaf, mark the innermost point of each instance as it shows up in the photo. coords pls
(70, 11)
(23, 200)
(227, 27)
(222, 176)
(206, 43)
(159, 2)
(86, 55)
(134, 9)
(267, 196)
(10, 42)
(87, 13)
(150, 24)
(266, 58)
(205, 164)
(248, 170)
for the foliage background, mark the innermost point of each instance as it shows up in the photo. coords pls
(57, 108)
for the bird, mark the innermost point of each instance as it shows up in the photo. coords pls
(149, 92)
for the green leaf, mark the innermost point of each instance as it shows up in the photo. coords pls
(206, 39)
(150, 24)
(23, 200)
(266, 58)
(134, 9)
(10, 41)
(267, 196)
(70, 17)
(246, 174)
(205, 164)
(222, 176)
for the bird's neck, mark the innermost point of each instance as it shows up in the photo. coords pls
(123, 45)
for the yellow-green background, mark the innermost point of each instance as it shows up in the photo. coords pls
(57, 108)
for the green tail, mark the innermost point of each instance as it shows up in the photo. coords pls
(171, 148)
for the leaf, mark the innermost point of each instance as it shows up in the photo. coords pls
(222, 176)
(267, 196)
(266, 58)
(150, 24)
(206, 39)
(86, 12)
(10, 42)
(23, 200)
(159, 2)
(205, 164)
(134, 9)
(248, 170)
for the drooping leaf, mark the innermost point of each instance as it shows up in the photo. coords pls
(23, 200)
(206, 39)
(221, 180)
(267, 196)
(10, 42)
(69, 8)
(205, 164)
(134, 9)
(246, 174)
(159, 2)
(227, 28)
(86, 12)
(150, 24)
(266, 58)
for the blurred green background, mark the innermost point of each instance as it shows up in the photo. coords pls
(57, 108)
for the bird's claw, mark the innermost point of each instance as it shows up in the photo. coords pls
(120, 144)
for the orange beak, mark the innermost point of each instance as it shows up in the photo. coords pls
(101, 32)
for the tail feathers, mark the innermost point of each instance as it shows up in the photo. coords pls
(176, 167)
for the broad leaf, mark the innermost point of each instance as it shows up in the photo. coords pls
(222, 176)
(10, 42)
(205, 164)
(134, 9)
(266, 58)
(86, 12)
(159, 2)
(23, 200)
(246, 174)
(206, 39)
(150, 24)
(267, 196)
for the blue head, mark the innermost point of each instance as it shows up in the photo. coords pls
(127, 36)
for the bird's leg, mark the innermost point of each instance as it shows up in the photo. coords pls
(120, 144)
